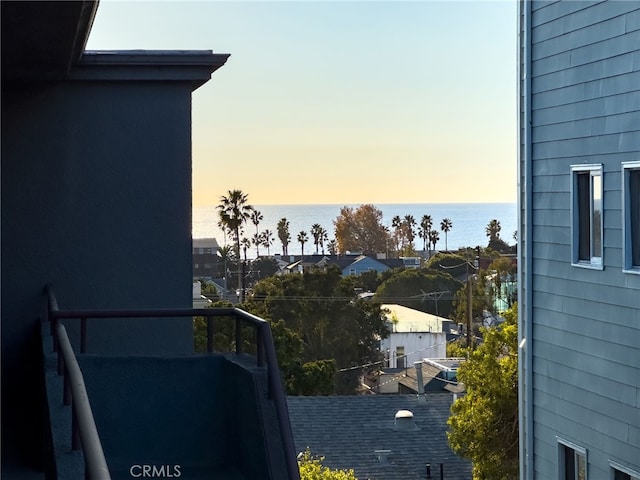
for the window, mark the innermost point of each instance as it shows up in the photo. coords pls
(572, 461)
(400, 358)
(631, 216)
(587, 231)
(620, 472)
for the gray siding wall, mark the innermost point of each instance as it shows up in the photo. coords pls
(585, 108)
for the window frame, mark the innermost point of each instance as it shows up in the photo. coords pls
(594, 262)
(577, 449)
(613, 466)
(627, 232)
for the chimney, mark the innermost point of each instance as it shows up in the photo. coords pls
(404, 422)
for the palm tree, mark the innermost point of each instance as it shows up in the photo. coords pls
(302, 239)
(234, 211)
(316, 233)
(332, 246)
(425, 227)
(256, 218)
(246, 244)
(267, 240)
(396, 224)
(226, 254)
(257, 241)
(445, 226)
(434, 236)
(493, 230)
(283, 234)
(324, 237)
(409, 223)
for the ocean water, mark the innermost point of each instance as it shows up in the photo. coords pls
(469, 222)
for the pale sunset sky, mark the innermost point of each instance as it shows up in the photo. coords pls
(344, 102)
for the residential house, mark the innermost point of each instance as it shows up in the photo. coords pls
(413, 335)
(380, 437)
(436, 375)
(96, 161)
(206, 261)
(579, 218)
(362, 264)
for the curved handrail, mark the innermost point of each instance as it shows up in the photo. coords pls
(95, 463)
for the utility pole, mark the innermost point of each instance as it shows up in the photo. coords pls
(435, 296)
(469, 308)
(469, 296)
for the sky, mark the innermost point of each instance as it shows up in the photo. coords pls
(342, 102)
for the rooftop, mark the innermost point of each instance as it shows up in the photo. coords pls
(405, 320)
(350, 432)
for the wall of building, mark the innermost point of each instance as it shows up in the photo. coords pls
(417, 345)
(96, 199)
(585, 109)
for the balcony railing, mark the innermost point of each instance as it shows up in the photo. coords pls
(265, 355)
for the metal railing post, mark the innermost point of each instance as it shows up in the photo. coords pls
(75, 431)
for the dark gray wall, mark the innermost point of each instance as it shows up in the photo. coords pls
(203, 413)
(96, 199)
(585, 102)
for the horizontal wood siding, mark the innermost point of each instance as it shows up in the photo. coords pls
(585, 101)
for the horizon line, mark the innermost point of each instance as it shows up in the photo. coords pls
(369, 203)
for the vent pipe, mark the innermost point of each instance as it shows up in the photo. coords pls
(404, 422)
(422, 399)
(383, 456)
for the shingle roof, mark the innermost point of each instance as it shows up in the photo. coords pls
(347, 430)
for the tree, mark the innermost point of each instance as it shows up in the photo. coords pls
(425, 227)
(451, 263)
(396, 224)
(267, 240)
(226, 255)
(246, 244)
(321, 308)
(256, 218)
(257, 241)
(361, 230)
(445, 226)
(434, 237)
(311, 468)
(234, 211)
(332, 246)
(493, 230)
(505, 271)
(316, 233)
(409, 288)
(302, 239)
(484, 422)
(480, 300)
(324, 237)
(283, 234)
(409, 223)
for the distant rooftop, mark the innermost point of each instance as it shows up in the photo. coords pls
(405, 320)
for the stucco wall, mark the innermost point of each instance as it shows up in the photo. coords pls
(96, 199)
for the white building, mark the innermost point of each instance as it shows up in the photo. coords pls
(413, 336)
